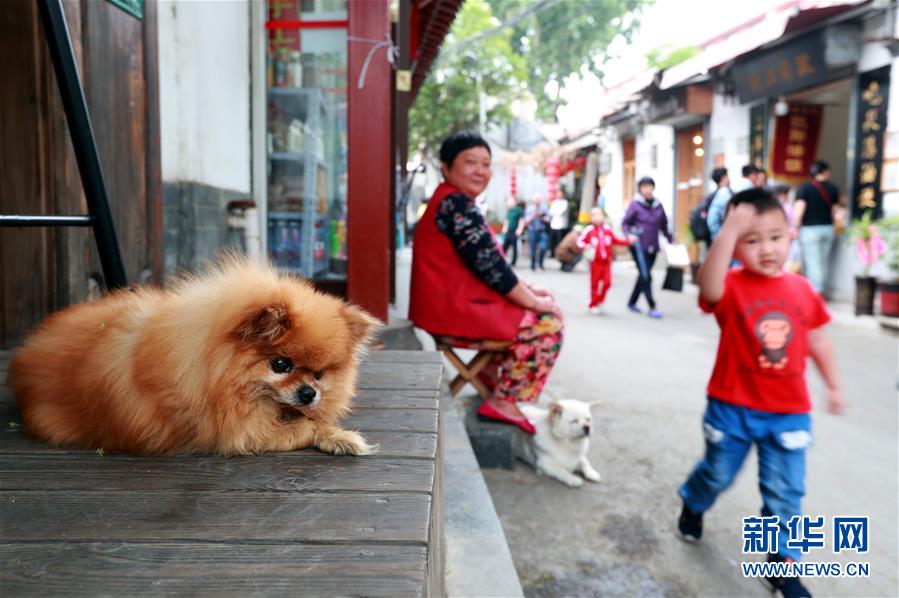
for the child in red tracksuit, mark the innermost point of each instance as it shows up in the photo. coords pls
(599, 238)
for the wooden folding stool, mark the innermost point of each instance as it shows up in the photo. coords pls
(468, 372)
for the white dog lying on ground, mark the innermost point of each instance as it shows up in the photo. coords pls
(559, 448)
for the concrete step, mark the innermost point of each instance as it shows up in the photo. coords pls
(399, 335)
(474, 534)
(493, 442)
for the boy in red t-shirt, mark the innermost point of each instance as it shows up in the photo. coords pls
(599, 238)
(770, 322)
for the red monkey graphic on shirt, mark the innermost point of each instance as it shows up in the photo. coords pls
(774, 331)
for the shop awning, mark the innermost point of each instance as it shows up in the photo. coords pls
(588, 140)
(761, 30)
(431, 21)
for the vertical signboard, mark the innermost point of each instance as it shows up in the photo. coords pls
(758, 134)
(871, 120)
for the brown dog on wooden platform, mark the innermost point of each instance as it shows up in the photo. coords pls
(238, 360)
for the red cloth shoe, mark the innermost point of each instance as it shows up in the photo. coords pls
(490, 412)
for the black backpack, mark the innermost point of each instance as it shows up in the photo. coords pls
(699, 226)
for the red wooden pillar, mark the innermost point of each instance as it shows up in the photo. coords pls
(370, 177)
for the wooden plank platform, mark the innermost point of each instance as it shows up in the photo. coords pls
(80, 523)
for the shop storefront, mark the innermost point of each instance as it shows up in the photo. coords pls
(686, 109)
(823, 95)
(306, 105)
(805, 90)
(332, 82)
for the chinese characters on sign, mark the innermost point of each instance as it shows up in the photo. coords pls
(786, 69)
(796, 140)
(873, 92)
(761, 535)
(796, 65)
(758, 134)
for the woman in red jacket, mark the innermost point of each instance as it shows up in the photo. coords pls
(463, 287)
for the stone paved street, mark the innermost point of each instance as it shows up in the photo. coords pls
(616, 537)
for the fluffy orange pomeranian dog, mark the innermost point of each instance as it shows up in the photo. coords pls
(238, 360)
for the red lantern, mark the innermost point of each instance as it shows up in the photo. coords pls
(552, 178)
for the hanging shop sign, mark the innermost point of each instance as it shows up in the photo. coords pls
(794, 66)
(133, 7)
(758, 134)
(796, 140)
(870, 124)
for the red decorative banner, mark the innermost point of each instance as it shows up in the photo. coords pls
(796, 140)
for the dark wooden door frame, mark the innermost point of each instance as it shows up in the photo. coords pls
(62, 54)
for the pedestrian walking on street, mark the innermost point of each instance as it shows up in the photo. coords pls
(750, 174)
(643, 222)
(813, 210)
(512, 228)
(463, 290)
(770, 321)
(536, 221)
(596, 242)
(568, 253)
(558, 222)
(718, 207)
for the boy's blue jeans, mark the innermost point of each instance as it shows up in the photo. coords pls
(730, 432)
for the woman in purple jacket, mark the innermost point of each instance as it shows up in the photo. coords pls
(644, 220)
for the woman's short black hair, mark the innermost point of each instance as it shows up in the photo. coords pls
(647, 180)
(761, 199)
(457, 143)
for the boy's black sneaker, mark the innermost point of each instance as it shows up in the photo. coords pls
(689, 525)
(789, 587)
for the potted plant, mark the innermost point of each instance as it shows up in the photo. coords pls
(868, 248)
(889, 287)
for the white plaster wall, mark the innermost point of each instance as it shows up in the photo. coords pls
(729, 134)
(661, 136)
(204, 92)
(613, 181)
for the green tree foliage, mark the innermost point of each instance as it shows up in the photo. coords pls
(448, 100)
(560, 37)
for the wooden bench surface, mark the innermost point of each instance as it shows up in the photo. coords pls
(82, 523)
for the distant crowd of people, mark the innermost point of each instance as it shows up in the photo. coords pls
(815, 216)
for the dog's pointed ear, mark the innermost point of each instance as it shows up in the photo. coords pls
(594, 405)
(362, 325)
(555, 410)
(266, 324)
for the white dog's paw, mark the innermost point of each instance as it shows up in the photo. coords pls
(573, 481)
(592, 475)
(587, 469)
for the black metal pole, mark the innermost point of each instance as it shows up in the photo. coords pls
(78, 118)
(27, 221)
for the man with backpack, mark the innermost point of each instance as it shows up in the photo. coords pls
(712, 209)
